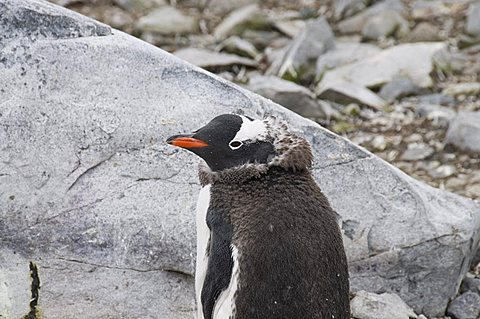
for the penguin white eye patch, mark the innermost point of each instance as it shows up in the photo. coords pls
(235, 144)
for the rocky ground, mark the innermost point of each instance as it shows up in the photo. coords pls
(400, 78)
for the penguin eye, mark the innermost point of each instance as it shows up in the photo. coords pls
(235, 144)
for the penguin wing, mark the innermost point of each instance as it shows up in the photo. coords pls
(220, 261)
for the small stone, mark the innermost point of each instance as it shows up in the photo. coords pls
(167, 21)
(442, 171)
(356, 23)
(351, 109)
(226, 6)
(464, 131)
(240, 19)
(379, 143)
(475, 176)
(457, 182)
(428, 9)
(465, 306)
(457, 89)
(417, 151)
(437, 98)
(262, 39)
(139, 5)
(415, 137)
(290, 27)
(239, 46)
(473, 21)
(399, 87)
(470, 283)
(205, 58)
(385, 24)
(440, 115)
(346, 8)
(473, 190)
(367, 305)
(424, 32)
(118, 18)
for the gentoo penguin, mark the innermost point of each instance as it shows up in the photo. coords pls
(268, 243)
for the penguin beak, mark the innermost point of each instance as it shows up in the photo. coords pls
(186, 141)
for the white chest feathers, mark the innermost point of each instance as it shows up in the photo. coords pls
(203, 237)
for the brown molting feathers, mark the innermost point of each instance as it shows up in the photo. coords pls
(293, 153)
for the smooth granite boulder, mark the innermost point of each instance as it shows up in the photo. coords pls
(90, 192)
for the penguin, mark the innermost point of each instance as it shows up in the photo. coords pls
(268, 242)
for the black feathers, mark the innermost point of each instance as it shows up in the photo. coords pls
(220, 263)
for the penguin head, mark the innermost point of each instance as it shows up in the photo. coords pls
(228, 141)
(231, 140)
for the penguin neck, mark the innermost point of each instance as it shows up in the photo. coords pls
(234, 175)
(240, 174)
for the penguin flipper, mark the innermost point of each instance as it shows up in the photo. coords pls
(220, 261)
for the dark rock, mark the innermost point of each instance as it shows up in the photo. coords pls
(470, 283)
(465, 306)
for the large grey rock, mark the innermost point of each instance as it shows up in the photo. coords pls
(464, 131)
(366, 305)
(412, 60)
(473, 20)
(298, 60)
(91, 193)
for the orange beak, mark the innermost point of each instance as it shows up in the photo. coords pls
(186, 141)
